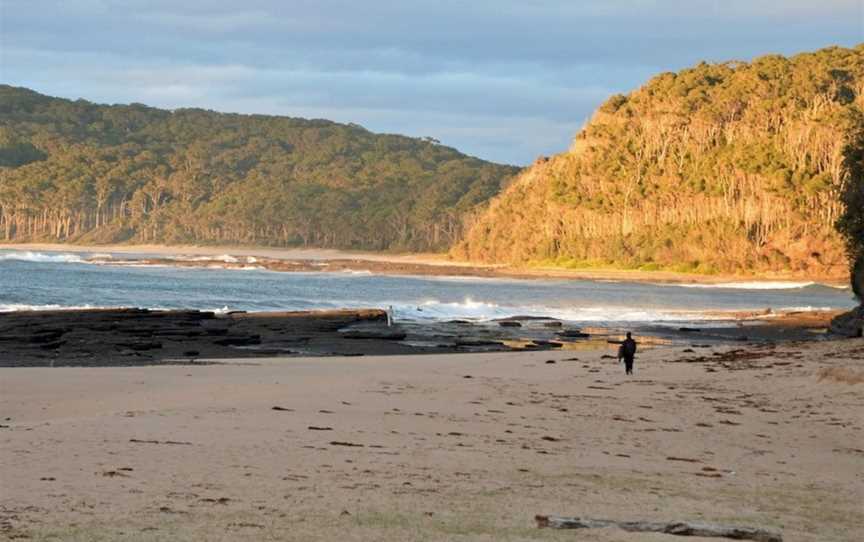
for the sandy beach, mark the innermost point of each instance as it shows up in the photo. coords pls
(409, 264)
(437, 447)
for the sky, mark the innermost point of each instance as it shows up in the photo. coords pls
(505, 80)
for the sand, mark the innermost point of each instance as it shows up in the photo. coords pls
(264, 252)
(449, 447)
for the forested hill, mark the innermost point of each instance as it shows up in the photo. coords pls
(74, 171)
(732, 167)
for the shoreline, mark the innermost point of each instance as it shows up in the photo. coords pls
(138, 337)
(299, 259)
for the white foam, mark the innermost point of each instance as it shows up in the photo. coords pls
(233, 268)
(470, 309)
(19, 307)
(41, 257)
(755, 285)
(226, 258)
(628, 314)
(22, 307)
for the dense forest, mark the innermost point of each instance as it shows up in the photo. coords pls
(730, 167)
(74, 171)
(851, 224)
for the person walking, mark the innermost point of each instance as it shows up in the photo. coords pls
(627, 352)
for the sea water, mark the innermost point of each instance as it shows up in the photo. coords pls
(49, 280)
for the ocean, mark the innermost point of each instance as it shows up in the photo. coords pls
(52, 280)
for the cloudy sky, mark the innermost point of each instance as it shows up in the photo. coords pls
(505, 80)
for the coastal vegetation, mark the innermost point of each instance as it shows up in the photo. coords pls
(732, 167)
(851, 223)
(74, 171)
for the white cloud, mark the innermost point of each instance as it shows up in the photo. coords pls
(504, 79)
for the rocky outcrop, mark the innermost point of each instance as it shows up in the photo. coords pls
(850, 324)
(729, 168)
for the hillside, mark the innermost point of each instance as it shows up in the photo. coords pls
(733, 167)
(73, 171)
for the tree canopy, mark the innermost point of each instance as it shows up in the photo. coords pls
(728, 167)
(74, 171)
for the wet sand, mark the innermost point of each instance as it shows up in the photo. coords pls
(438, 447)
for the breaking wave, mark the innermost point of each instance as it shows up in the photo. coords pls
(226, 258)
(755, 285)
(469, 309)
(41, 257)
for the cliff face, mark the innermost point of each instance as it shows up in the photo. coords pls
(84, 172)
(728, 167)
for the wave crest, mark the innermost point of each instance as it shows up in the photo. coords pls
(41, 257)
(754, 285)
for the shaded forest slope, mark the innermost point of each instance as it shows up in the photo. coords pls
(74, 171)
(733, 167)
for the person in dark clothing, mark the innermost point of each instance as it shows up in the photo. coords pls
(627, 352)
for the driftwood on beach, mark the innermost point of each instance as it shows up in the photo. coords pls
(680, 528)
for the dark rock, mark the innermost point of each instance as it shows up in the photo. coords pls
(179, 333)
(45, 336)
(477, 342)
(572, 334)
(550, 344)
(382, 333)
(850, 324)
(239, 340)
(140, 346)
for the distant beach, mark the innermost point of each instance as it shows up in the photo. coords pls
(417, 264)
